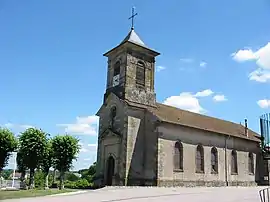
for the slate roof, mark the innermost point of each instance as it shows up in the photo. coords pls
(182, 117)
(134, 38)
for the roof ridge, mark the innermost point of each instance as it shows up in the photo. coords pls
(202, 115)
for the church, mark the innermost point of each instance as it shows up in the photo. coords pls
(145, 143)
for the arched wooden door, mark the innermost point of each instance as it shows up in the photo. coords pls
(110, 170)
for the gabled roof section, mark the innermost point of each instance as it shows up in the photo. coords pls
(173, 115)
(182, 117)
(134, 38)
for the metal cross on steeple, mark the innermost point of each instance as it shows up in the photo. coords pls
(132, 17)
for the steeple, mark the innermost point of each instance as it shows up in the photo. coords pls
(131, 68)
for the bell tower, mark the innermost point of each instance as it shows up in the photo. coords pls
(131, 69)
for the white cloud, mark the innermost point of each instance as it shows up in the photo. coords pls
(88, 159)
(264, 103)
(243, 55)
(17, 126)
(260, 75)
(203, 64)
(262, 58)
(204, 93)
(219, 98)
(191, 101)
(83, 126)
(84, 150)
(187, 101)
(92, 145)
(87, 148)
(160, 68)
(186, 60)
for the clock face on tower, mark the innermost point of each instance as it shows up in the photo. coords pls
(116, 80)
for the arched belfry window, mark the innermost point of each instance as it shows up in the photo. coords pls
(116, 74)
(178, 156)
(116, 69)
(250, 163)
(199, 159)
(234, 167)
(214, 160)
(140, 73)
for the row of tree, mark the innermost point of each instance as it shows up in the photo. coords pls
(37, 150)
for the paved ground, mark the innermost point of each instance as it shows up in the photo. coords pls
(141, 194)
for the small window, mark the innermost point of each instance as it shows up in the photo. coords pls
(178, 156)
(214, 160)
(140, 73)
(116, 69)
(199, 159)
(234, 167)
(250, 163)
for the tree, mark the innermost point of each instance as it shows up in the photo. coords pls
(21, 166)
(88, 174)
(71, 177)
(6, 173)
(65, 149)
(92, 169)
(47, 162)
(32, 147)
(8, 144)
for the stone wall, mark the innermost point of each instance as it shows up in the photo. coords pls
(145, 95)
(111, 139)
(190, 138)
(141, 147)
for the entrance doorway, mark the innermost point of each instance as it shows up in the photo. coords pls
(110, 170)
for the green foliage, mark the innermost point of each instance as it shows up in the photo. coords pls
(71, 177)
(32, 147)
(65, 150)
(21, 166)
(47, 160)
(88, 174)
(39, 179)
(6, 173)
(8, 144)
(92, 169)
(80, 184)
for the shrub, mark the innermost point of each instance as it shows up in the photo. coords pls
(80, 184)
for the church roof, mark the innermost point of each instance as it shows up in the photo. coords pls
(134, 38)
(186, 118)
(178, 116)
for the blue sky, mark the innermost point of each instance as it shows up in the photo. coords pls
(214, 60)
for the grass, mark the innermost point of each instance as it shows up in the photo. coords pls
(12, 194)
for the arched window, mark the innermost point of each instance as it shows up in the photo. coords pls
(116, 69)
(250, 163)
(199, 159)
(214, 160)
(178, 156)
(140, 74)
(234, 167)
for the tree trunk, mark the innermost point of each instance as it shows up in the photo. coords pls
(61, 180)
(32, 180)
(23, 184)
(46, 180)
(54, 175)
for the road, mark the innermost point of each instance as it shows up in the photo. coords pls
(141, 194)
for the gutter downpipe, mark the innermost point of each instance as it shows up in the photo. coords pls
(226, 161)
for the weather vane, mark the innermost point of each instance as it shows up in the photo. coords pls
(132, 17)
